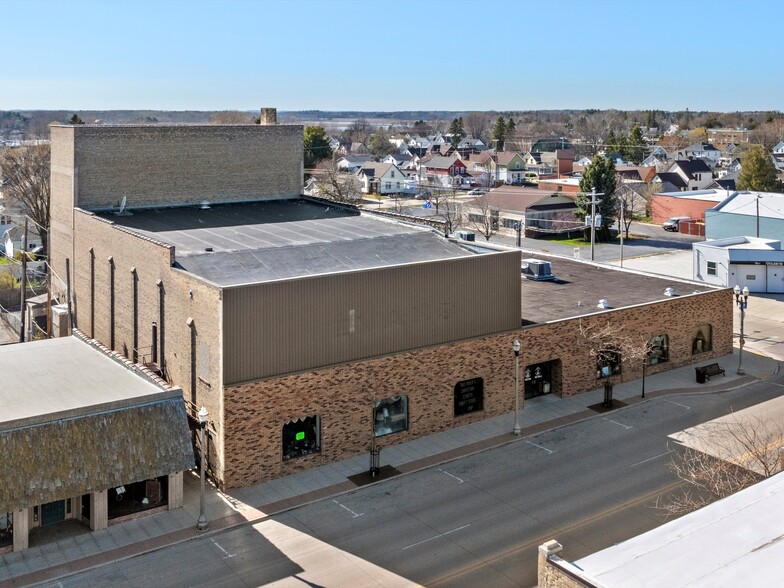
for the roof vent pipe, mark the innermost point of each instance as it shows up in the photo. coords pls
(603, 304)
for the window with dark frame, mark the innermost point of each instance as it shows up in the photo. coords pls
(390, 415)
(712, 268)
(301, 437)
(659, 349)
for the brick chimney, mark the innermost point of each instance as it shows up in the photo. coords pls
(269, 116)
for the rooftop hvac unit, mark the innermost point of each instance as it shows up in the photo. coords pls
(465, 235)
(536, 269)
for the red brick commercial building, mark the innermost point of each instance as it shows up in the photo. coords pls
(311, 330)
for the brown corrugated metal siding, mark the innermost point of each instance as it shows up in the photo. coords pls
(294, 325)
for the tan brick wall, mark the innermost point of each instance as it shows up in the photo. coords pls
(551, 576)
(61, 197)
(343, 395)
(168, 165)
(152, 261)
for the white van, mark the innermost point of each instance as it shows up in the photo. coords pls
(674, 224)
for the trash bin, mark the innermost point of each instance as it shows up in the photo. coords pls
(608, 393)
(700, 375)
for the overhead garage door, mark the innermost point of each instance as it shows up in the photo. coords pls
(751, 276)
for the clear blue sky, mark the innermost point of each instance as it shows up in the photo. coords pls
(392, 55)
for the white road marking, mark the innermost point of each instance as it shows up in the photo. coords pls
(228, 555)
(353, 514)
(619, 424)
(539, 446)
(651, 458)
(677, 404)
(435, 537)
(459, 480)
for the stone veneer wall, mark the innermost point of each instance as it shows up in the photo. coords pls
(343, 395)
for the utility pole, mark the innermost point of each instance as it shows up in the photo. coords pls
(593, 194)
(623, 226)
(24, 286)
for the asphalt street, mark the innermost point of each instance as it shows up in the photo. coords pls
(474, 521)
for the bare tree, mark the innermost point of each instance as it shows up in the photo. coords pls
(633, 200)
(231, 117)
(358, 132)
(25, 180)
(451, 212)
(477, 124)
(729, 455)
(483, 216)
(335, 183)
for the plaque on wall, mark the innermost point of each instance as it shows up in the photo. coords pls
(469, 396)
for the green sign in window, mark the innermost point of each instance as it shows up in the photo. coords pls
(300, 436)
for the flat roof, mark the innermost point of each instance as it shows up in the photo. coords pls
(704, 195)
(231, 244)
(766, 204)
(580, 285)
(732, 542)
(49, 380)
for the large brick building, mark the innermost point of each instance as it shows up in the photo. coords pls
(307, 328)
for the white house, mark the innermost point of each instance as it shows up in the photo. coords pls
(779, 149)
(353, 162)
(704, 151)
(381, 178)
(744, 261)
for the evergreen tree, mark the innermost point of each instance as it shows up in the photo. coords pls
(599, 174)
(758, 171)
(634, 150)
(456, 131)
(499, 133)
(511, 127)
(316, 144)
(75, 120)
(611, 143)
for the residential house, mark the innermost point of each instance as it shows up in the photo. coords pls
(509, 167)
(381, 178)
(582, 162)
(779, 148)
(444, 149)
(358, 148)
(405, 161)
(470, 145)
(353, 162)
(444, 171)
(705, 151)
(694, 174)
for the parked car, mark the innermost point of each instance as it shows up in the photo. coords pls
(674, 224)
(476, 192)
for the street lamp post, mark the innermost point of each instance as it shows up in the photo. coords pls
(516, 349)
(742, 298)
(202, 524)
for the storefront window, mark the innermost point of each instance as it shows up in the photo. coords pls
(301, 437)
(702, 339)
(608, 362)
(390, 416)
(659, 349)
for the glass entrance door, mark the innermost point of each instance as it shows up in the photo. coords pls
(52, 512)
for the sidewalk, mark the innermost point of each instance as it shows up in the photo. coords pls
(77, 548)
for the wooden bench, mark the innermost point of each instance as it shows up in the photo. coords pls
(713, 369)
